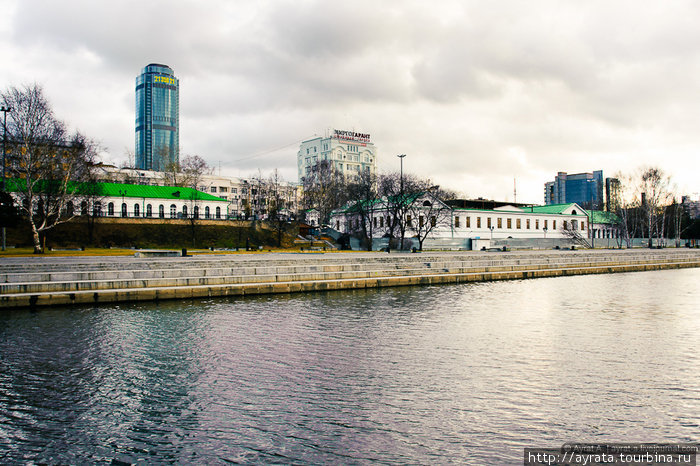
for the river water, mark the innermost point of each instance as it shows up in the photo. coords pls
(469, 373)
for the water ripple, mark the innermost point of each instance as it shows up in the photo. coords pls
(467, 373)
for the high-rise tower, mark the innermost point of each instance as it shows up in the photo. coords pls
(157, 118)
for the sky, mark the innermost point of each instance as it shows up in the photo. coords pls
(487, 98)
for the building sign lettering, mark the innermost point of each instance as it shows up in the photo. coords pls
(164, 79)
(351, 136)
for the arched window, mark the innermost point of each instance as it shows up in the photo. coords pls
(124, 211)
(110, 209)
(137, 210)
(184, 211)
(161, 211)
(70, 208)
(84, 208)
(97, 209)
(573, 212)
(206, 212)
(149, 210)
(218, 212)
(173, 211)
(196, 211)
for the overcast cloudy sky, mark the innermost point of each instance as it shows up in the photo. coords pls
(476, 93)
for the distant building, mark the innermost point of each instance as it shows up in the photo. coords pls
(612, 194)
(691, 207)
(348, 152)
(157, 118)
(584, 189)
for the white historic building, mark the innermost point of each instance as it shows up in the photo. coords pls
(468, 227)
(349, 152)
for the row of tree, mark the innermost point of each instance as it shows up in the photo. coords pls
(647, 206)
(401, 196)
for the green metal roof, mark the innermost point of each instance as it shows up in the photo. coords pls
(158, 192)
(129, 190)
(550, 209)
(603, 217)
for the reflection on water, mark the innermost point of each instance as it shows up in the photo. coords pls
(467, 373)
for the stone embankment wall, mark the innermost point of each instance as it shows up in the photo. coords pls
(66, 281)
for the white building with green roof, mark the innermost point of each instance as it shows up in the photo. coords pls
(467, 228)
(120, 200)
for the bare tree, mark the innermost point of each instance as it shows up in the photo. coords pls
(625, 203)
(325, 189)
(427, 212)
(654, 189)
(363, 192)
(45, 160)
(274, 191)
(190, 174)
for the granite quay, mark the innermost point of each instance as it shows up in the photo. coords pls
(37, 282)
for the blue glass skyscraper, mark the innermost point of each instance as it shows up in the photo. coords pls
(157, 118)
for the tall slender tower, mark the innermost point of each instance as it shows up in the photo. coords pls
(157, 118)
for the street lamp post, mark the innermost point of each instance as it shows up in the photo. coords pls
(4, 110)
(401, 156)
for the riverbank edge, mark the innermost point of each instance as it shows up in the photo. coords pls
(48, 299)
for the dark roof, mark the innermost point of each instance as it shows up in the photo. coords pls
(483, 204)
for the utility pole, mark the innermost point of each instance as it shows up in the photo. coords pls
(4, 110)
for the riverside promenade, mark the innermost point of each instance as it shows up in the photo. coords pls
(54, 281)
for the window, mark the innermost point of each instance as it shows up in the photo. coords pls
(161, 211)
(554, 224)
(184, 211)
(433, 221)
(456, 222)
(583, 225)
(97, 209)
(527, 223)
(381, 222)
(537, 224)
(110, 209)
(149, 210)
(83, 208)
(223, 189)
(566, 225)
(375, 222)
(509, 223)
(408, 221)
(173, 211)
(70, 208)
(420, 221)
(218, 213)
(468, 222)
(488, 223)
(196, 211)
(478, 222)
(213, 189)
(137, 211)
(124, 212)
(517, 223)
(545, 224)
(206, 212)
(499, 222)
